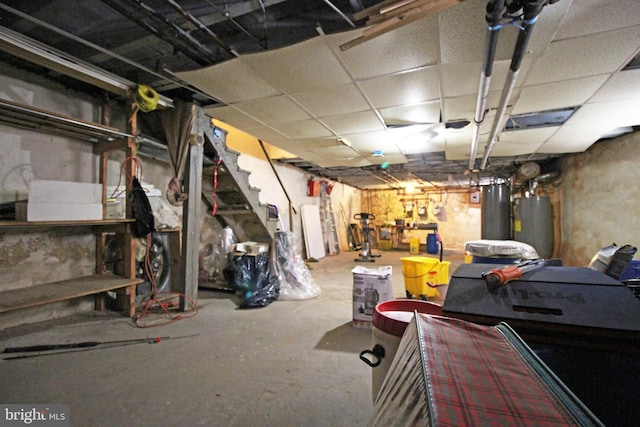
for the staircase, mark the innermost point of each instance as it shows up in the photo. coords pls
(225, 188)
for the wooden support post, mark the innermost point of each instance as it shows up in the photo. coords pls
(191, 213)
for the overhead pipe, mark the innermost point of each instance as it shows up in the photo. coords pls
(195, 21)
(495, 12)
(531, 11)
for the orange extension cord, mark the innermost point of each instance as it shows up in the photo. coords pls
(152, 303)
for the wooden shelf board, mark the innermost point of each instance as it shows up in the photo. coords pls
(10, 223)
(64, 290)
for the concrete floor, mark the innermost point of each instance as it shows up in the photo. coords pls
(292, 363)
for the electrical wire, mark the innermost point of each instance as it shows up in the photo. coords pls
(137, 172)
(156, 302)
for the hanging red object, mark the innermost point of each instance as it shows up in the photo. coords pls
(313, 187)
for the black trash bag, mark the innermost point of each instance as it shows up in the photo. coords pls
(250, 276)
(141, 209)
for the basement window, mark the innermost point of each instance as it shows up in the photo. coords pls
(539, 119)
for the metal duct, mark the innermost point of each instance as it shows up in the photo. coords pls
(495, 11)
(531, 11)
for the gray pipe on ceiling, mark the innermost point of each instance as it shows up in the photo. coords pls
(531, 11)
(496, 10)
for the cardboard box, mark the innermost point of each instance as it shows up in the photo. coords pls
(371, 286)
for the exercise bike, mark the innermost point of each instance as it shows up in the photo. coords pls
(365, 230)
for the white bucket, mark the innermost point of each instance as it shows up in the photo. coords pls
(390, 319)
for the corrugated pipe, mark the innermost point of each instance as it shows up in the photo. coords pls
(531, 11)
(495, 11)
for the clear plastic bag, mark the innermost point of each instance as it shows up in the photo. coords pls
(510, 248)
(293, 276)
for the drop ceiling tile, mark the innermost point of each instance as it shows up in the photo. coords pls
(403, 88)
(232, 116)
(356, 162)
(458, 144)
(411, 46)
(463, 31)
(303, 129)
(267, 134)
(376, 142)
(368, 141)
(464, 107)
(551, 96)
(338, 153)
(366, 121)
(567, 59)
(527, 136)
(621, 85)
(574, 139)
(417, 145)
(229, 82)
(391, 158)
(592, 16)
(464, 79)
(613, 113)
(276, 109)
(503, 149)
(317, 143)
(304, 66)
(331, 101)
(424, 112)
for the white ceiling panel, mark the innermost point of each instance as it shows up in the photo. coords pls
(303, 129)
(404, 74)
(403, 88)
(337, 153)
(550, 96)
(277, 109)
(309, 65)
(409, 47)
(622, 85)
(318, 143)
(591, 16)
(569, 59)
(463, 30)
(424, 112)
(415, 144)
(458, 143)
(464, 79)
(612, 113)
(573, 139)
(504, 149)
(230, 82)
(464, 107)
(331, 101)
(366, 121)
(527, 136)
(391, 158)
(233, 116)
(267, 134)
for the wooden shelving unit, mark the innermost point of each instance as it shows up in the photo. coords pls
(123, 282)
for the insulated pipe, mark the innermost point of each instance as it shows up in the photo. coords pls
(495, 12)
(531, 11)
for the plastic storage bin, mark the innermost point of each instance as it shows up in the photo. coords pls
(422, 276)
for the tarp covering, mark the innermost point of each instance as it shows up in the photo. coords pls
(448, 372)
